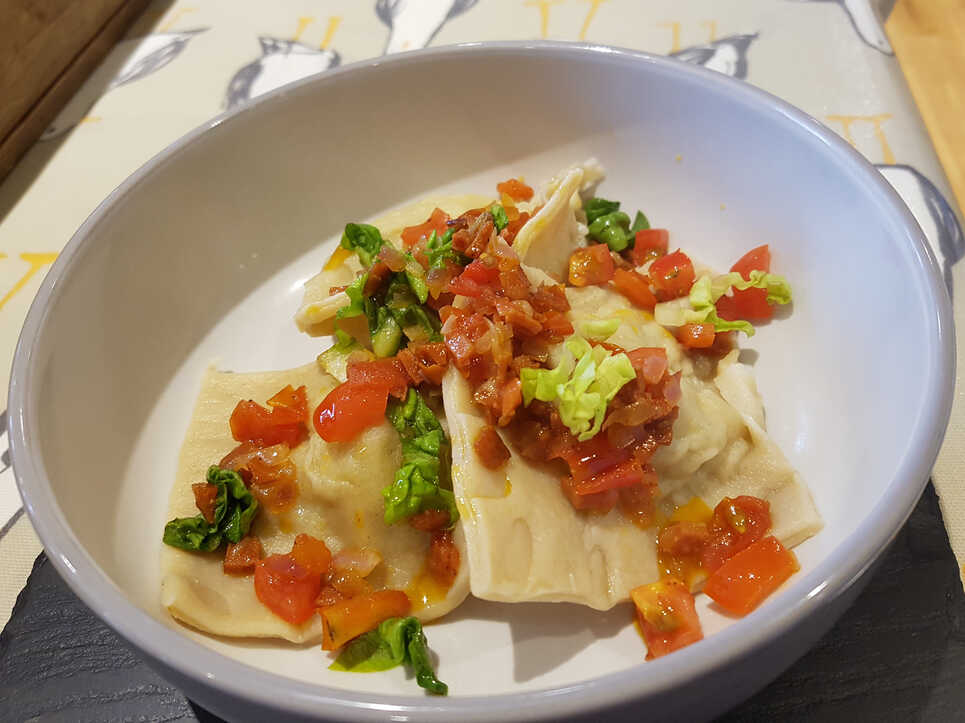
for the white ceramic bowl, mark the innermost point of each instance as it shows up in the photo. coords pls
(200, 255)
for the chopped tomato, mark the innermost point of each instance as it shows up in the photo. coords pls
(443, 559)
(430, 520)
(649, 362)
(591, 265)
(348, 619)
(287, 588)
(283, 423)
(242, 557)
(312, 554)
(745, 580)
(749, 304)
(515, 189)
(292, 399)
(667, 616)
(696, 336)
(672, 275)
(379, 373)
(757, 259)
(205, 499)
(348, 410)
(736, 524)
(474, 279)
(598, 502)
(625, 474)
(436, 222)
(636, 287)
(649, 244)
(592, 457)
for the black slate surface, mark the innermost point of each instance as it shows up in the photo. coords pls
(897, 655)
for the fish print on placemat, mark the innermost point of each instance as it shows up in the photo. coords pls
(868, 19)
(727, 55)
(129, 61)
(933, 213)
(414, 23)
(281, 62)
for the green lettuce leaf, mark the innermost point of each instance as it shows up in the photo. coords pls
(499, 216)
(394, 642)
(597, 207)
(640, 223)
(439, 250)
(363, 239)
(581, 386)
(235, 508)
(356, 294)
(700, 306)
(613, 229)
(334, 360)
(599, 329)
(418, 483)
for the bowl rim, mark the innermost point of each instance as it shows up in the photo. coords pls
(181, 655)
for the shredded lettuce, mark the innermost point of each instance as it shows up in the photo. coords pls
(597, 207)
(700, 306)
(334, 360)
(425, 463)
(499, 216)
(394, 642)
(599, 329)
(235, 508)
(439, 250)
(363, 239)
(586, 379)
(355, 292)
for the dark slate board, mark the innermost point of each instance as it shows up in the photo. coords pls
(897, 655)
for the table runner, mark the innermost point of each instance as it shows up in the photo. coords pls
(183, 63)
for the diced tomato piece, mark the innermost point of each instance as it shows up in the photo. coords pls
(745, 580)
(287, 588)
(436, 222)
(443, 559)
(380, 373)
(430, 520)
(649, 244)
(757, 259)
(736, 524)
(312, 554)
(749, 304)
(591, 265)
(626, 474)
(348, 410)
(680, 546)
(205, 497)
(292, 399)
(513, 227)
(481, 272)
(696, 336)
(515, 189)
(556, 326)
(348, 619)
(592, 457)
(251, 422)
(649, 362)
(667, 616)
(599, 502)
(490, 448)
(672, 275)
(636, 287)
(242, 558)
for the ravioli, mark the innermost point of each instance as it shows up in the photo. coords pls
(339, 501)
(526, 542)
